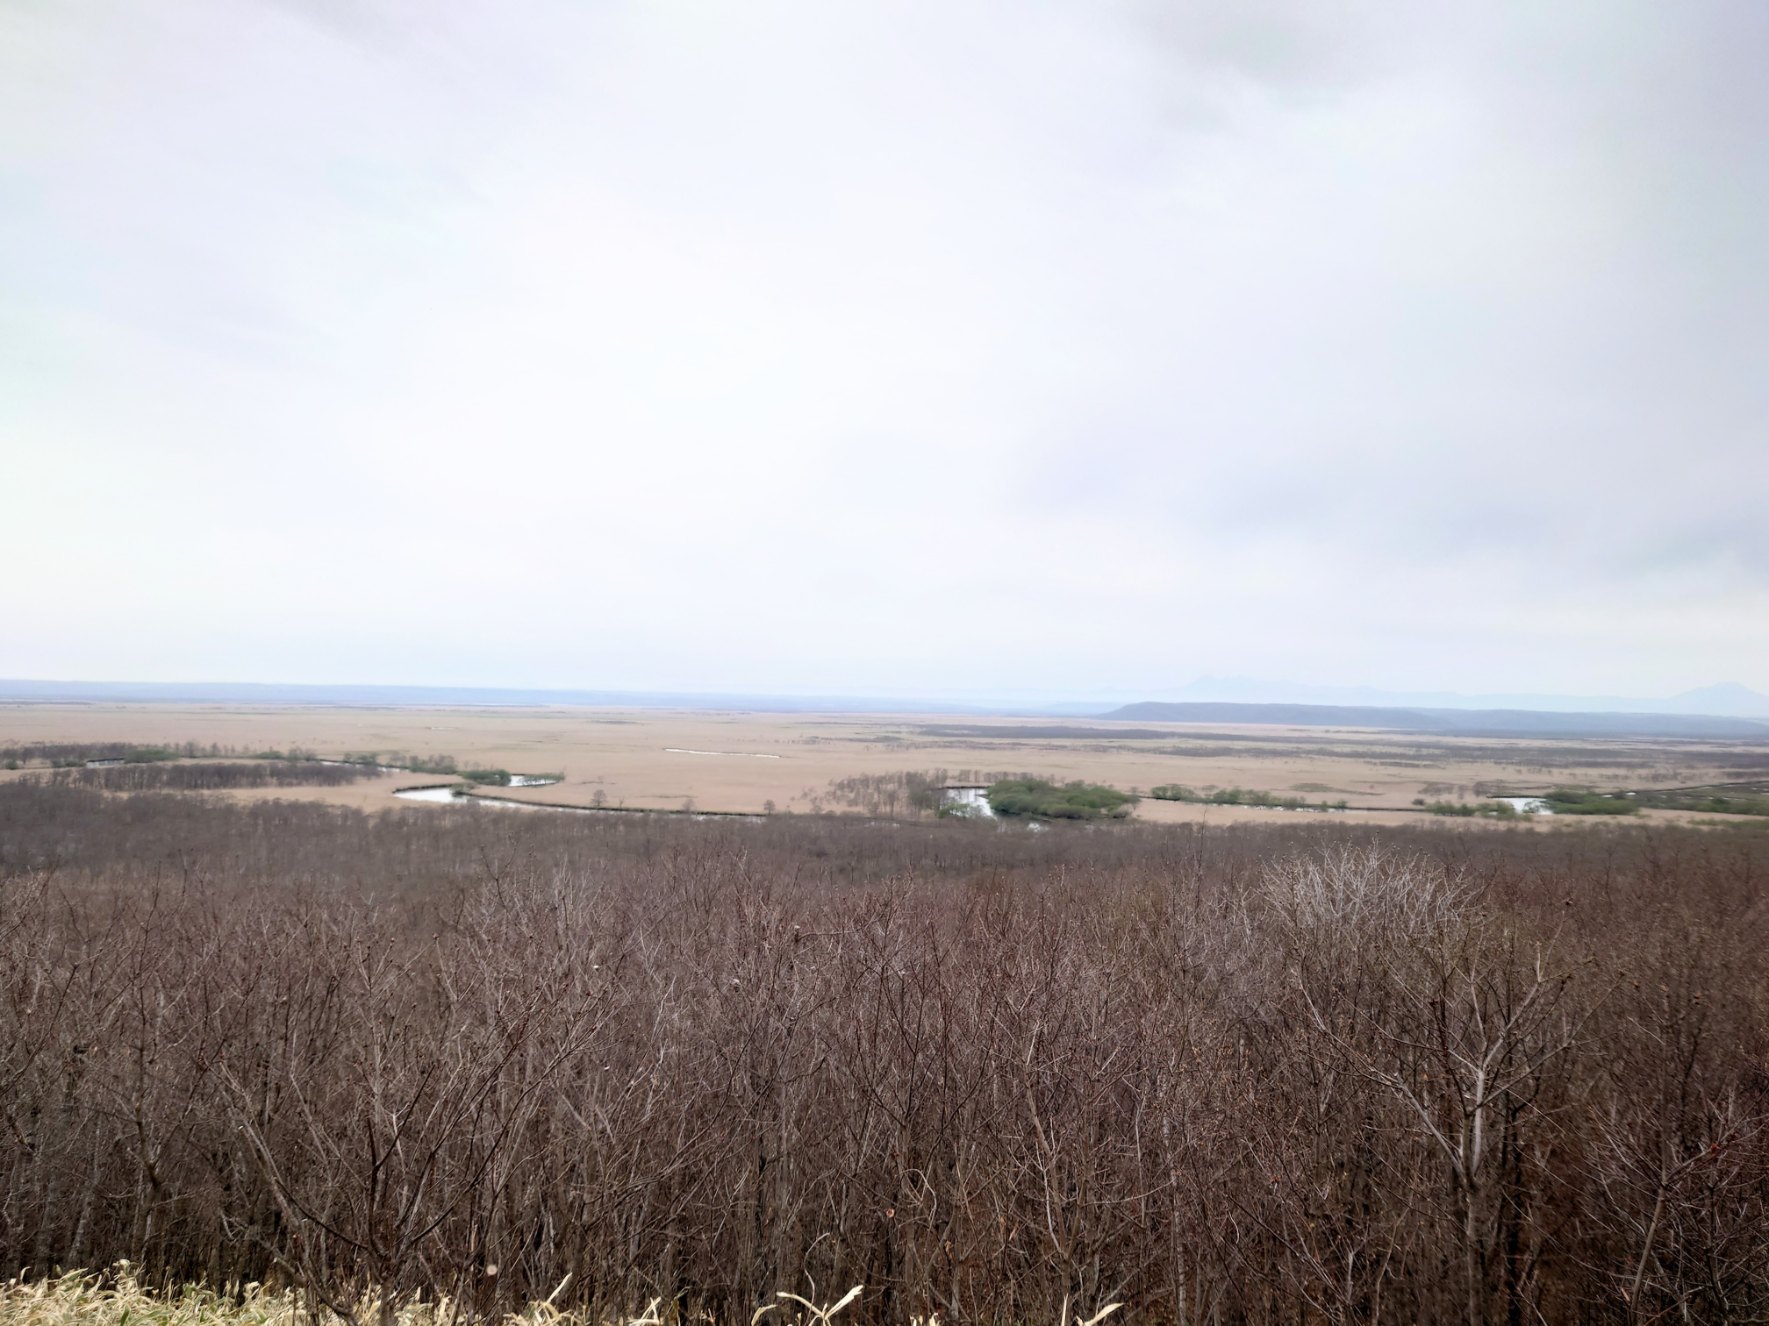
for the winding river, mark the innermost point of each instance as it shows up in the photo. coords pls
(449, 795)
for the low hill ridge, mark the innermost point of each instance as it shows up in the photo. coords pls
(1452, 722)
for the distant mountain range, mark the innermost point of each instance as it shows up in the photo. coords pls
(1448, 722)
(1710, 709)
(1726, 698)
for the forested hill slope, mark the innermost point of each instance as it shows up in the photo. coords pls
(1473, 722)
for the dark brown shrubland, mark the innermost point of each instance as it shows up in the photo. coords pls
(1300, 1074)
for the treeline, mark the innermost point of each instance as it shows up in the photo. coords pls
(1499, 810)
(1238, 796)
(446, 766)
(431, 764)
(65, 754)
(205, 776)
(911, 794)
(70, 755)
(1293, 1073)
(1750, 798)
(1555, 801)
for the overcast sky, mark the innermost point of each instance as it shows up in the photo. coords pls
(895, 347)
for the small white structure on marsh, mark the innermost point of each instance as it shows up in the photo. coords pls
(1527, 805)
(967, 799)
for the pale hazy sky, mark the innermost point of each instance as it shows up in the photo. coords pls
(885, 347)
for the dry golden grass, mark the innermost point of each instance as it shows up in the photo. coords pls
(669, 759)
(83, 1298)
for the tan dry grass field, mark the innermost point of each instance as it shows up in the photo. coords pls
(740, 761)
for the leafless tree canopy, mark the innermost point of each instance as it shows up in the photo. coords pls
(1292, 1074)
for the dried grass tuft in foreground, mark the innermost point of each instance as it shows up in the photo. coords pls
(86, 1298)
(82, 1298)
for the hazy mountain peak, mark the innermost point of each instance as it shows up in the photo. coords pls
(1724, 690)
(1729, 699)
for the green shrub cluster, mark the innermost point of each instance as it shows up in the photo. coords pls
(1583, 801)
(487, 777)
(1042, 798)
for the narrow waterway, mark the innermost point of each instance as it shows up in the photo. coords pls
(450, 795)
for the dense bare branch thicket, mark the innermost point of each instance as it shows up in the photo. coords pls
(210, 775)
(1306, 1073)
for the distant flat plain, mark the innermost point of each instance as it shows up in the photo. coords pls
(738, 761)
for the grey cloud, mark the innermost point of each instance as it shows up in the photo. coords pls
(1303, 48)
(1226, 312)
